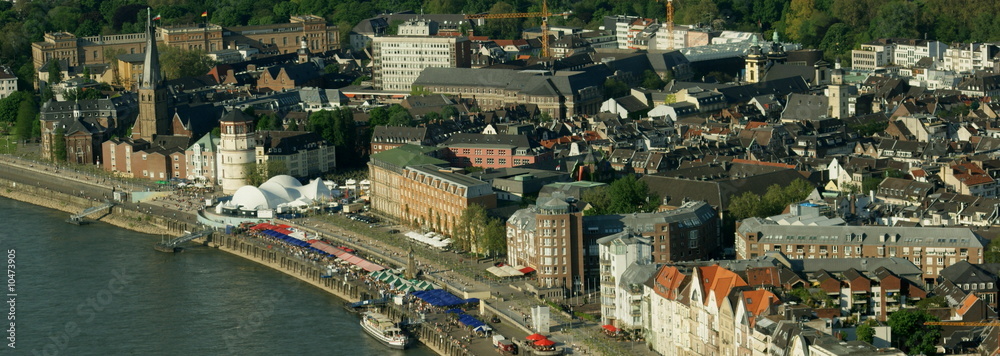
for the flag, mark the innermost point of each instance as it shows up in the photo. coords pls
(204, 14)
(157, 17)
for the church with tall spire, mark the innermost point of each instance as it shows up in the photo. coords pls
(153, 119)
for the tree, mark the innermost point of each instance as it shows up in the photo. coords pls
(361, 79)
(176, 62)
(332, 68)
(27, 114)
(870, 184)
(449, 112)
(502, 28)
(750, 204)
(911, 335)
(11, 104)
(866, 331)
(267, 122)
(746, 205)
(494, 239)
(993, 251)
(895, 19)
(651, 80)
(630, 195)
(470, 227)
(615, 89)
(258, 173)
(599, 200)
(59, 145)
(293, 125)
(55, 72)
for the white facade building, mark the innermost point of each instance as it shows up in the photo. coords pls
(236, 149)
(398, 60)
(970, 57)
(618, 252)
(8, 83)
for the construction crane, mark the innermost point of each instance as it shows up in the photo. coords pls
(670, 23)
(963, 323)
(544, 14)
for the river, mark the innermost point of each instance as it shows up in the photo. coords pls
(102, 290)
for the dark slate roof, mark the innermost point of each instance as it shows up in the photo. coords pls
(296, 72)
(781, 71)
(191, 83)
(805, 107)
(482, 139)
(965, 272)
(666, 60)
(199, 119)
(287, 142)
(169, 143)
(778, 87)
(674, 191)
(132, 57)
(631, 104)
(236, 116)
(399, 134)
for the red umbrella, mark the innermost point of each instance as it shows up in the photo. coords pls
(535, 337)
(545, 342)
(610, 328)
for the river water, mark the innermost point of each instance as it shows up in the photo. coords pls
(102, 290)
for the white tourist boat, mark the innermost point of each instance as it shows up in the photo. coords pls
(384, 330)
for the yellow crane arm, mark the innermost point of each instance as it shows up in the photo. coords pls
(506, 16)
(962, 323)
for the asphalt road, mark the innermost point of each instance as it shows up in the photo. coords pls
(78, 184)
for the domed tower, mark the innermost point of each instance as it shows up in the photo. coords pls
(153, 119)
(756, 61)
(236, 149)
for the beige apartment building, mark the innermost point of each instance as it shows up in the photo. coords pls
(398, 60)
(929, 248)
(274, 39)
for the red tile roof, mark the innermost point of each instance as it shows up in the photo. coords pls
(762, 163)
(758, 301)
(669, 278)
(967, 304)
(970, 174)
(720, 281)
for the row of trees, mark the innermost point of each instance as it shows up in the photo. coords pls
(19, 115)
(834, 26)
(475, 231)
(623, 196)
(773, 202)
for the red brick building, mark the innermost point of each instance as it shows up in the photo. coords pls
(494, 151)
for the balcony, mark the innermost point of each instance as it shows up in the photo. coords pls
(859, 301)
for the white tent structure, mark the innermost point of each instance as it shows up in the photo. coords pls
(278, 192)
(430, 238)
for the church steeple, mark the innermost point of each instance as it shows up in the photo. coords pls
(151, 66)
(153, 119)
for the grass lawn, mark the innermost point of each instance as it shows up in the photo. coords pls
(8, 144)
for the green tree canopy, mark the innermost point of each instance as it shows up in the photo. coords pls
(866, 331)
(615, 89)
(59, 144)
(911, 335)
(470, 229)
(623, 196)
(55, 73)
(27, 115)
(651, 80)
(258, 173)
(176, 63)
(772, 202)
